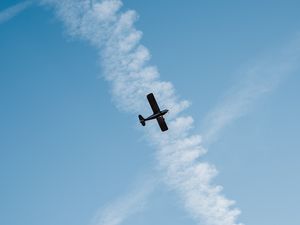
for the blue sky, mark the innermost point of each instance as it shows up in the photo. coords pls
(67, 152)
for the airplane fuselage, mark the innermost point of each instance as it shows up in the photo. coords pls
(156, 115)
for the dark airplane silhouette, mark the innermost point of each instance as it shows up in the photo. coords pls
(157, 114)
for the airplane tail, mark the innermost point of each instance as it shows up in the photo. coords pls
(142, 120)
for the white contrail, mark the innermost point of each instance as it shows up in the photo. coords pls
(11, 12)
(118, 211)
(259, 78)
(125, 64)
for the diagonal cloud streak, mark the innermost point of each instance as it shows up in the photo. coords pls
(11, 12)
(259, 79)
(118, 211)
(125, 64)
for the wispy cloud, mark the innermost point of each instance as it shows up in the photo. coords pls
(121, 209)
(11, 12)
(125, 64)
(258, 79)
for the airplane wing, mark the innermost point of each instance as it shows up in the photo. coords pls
(162, 123)
(153, 103)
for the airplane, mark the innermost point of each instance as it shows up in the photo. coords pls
(157, 114)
